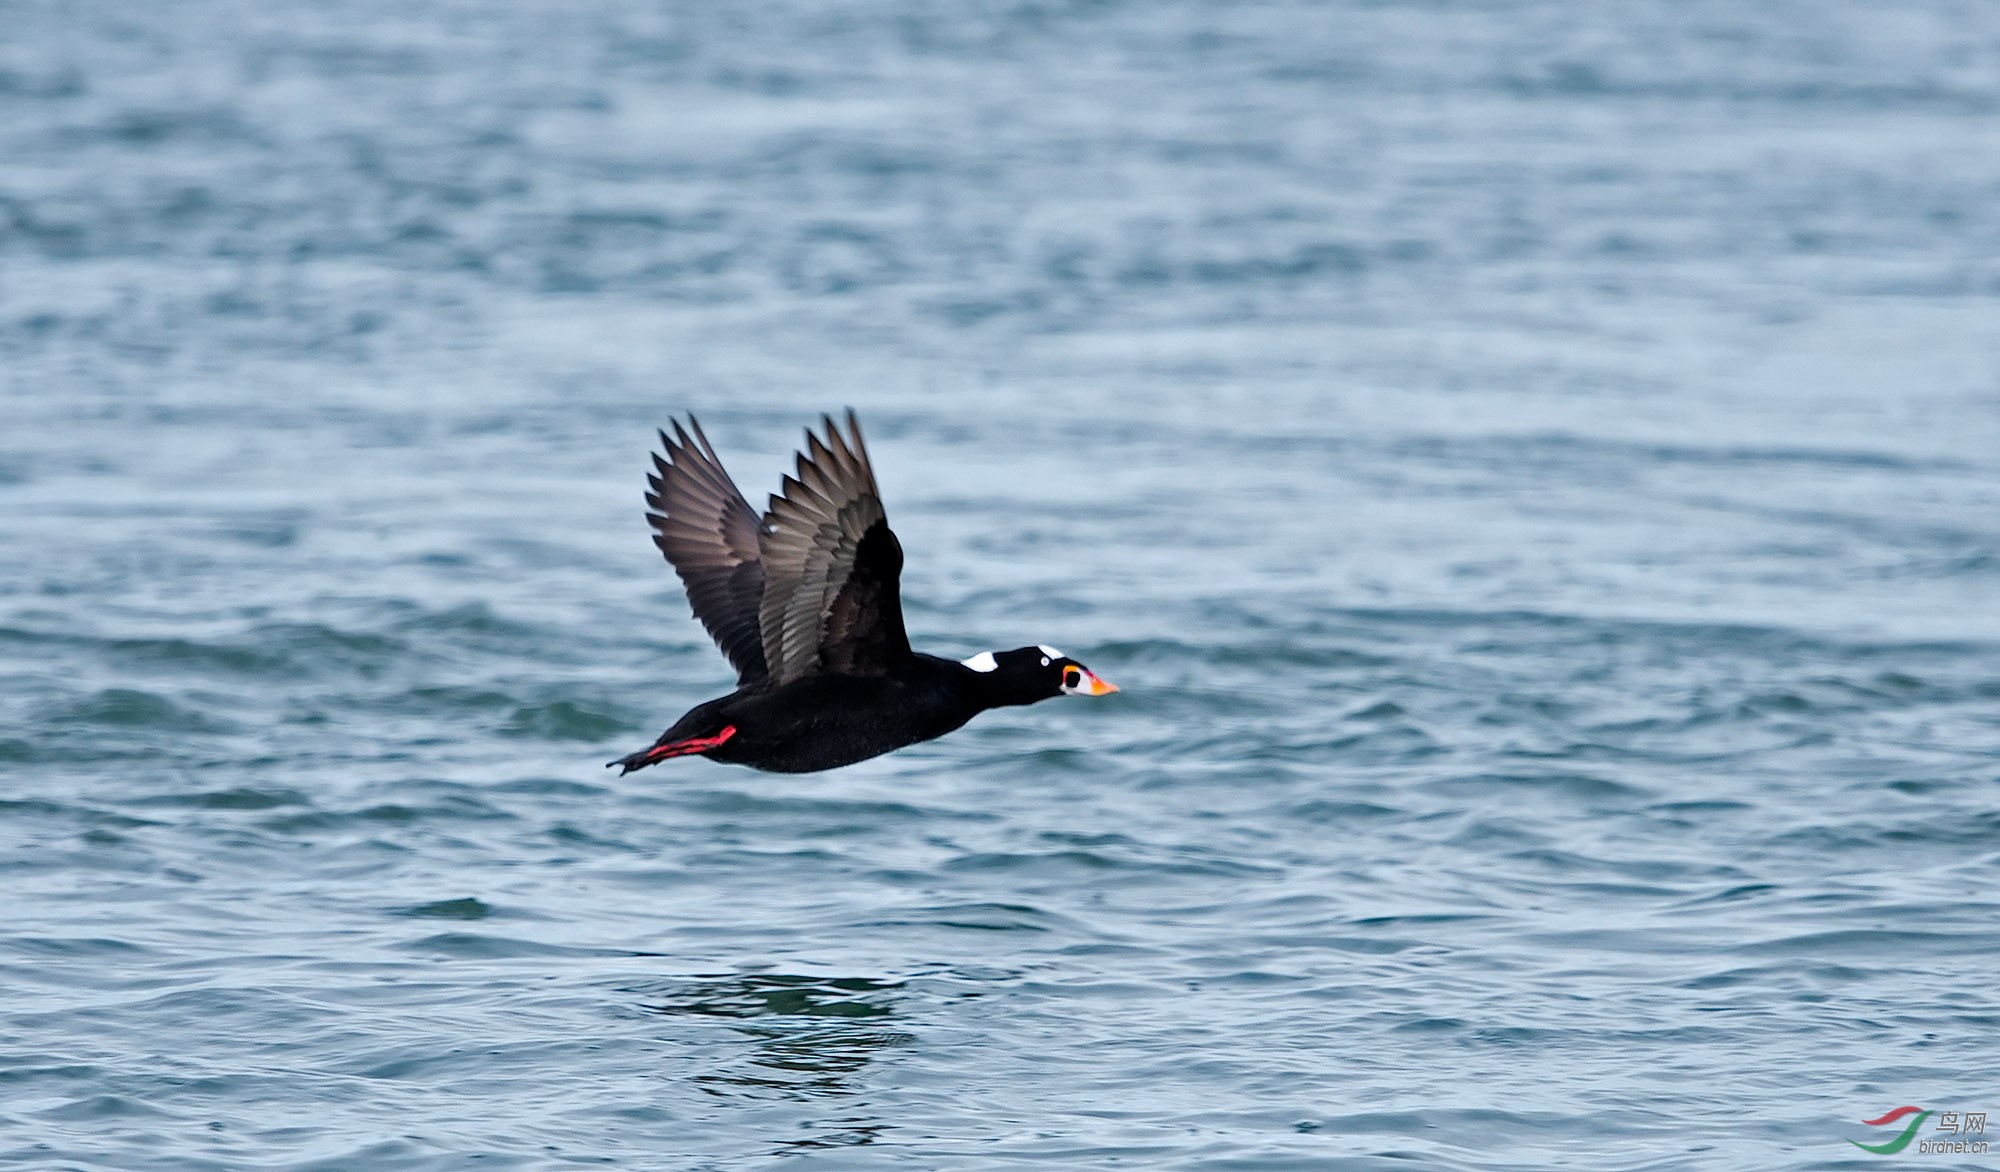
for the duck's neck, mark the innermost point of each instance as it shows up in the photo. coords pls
(987, 689)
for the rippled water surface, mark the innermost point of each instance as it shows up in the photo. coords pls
(1534, 470)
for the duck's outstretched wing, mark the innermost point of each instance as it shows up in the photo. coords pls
(831, 566)
(712, 538)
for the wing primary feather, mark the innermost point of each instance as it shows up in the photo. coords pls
(710, 535)
(832, 565)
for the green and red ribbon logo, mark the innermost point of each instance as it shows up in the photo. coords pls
(1902, 1141)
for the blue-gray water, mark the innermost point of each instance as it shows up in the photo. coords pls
(1533, 468)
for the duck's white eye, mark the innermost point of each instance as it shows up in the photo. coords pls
(1045, 661)
(983, 661)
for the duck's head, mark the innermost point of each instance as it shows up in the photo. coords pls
(1027, 674)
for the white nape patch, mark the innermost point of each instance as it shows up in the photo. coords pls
(1051, 652)
(983, 661)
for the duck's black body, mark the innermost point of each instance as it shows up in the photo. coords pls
(805, 603)
(826, 721)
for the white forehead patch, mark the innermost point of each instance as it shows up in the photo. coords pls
(983, 661)
(1049, 651)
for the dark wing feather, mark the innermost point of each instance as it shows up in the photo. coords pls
(711, 537)
(832, 566)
